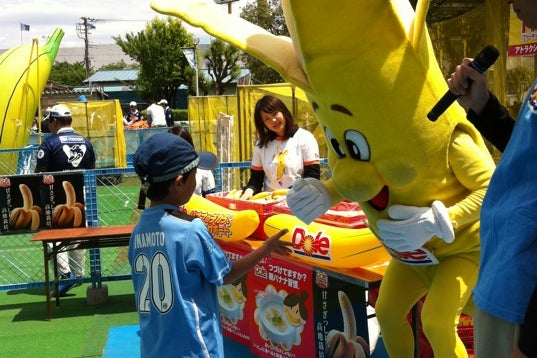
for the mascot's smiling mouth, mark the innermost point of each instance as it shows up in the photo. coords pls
(380, 201)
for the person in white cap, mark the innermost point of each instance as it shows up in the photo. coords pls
(65, 150)
(133, 115)
(167, 112)
(155, 115)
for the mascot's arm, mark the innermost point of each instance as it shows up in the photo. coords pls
(276, 51)
(309, 198)
(473, 168)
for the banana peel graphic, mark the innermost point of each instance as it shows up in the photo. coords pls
(24, 71)
(346, 344)
(26, 216)
(69, 214)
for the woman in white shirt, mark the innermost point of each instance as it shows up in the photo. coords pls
(283, 151)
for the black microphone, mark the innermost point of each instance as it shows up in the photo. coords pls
(481, 63)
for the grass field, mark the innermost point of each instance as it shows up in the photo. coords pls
(76, 329)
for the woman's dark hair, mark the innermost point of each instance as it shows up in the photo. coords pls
(183, 133)
(272, 104)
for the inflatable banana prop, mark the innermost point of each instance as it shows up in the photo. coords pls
(225, 224)
(24, 71)
(320, 244)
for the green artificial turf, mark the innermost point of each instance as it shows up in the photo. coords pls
(76, 328)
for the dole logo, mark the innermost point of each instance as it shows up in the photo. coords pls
(316, 245)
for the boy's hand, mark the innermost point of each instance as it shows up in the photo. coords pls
(274, 243)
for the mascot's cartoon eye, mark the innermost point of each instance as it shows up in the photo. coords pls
(357, 145)
(334, 143)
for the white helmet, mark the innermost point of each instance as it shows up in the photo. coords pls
(59, 111)
(132, 104)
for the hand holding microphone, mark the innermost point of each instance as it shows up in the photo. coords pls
(461, 80)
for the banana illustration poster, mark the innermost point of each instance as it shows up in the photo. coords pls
(287, 309)
(41, 201)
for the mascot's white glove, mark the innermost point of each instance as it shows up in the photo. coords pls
(308, 198)
(411, 227)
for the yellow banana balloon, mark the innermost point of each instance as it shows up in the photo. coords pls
(225, 224)
(24, 71)
(327, 245)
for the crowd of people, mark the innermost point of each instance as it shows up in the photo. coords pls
(171, 171)
(158, 115)
(505, 294)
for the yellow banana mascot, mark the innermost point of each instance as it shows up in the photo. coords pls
(24, 71)
(370, 74)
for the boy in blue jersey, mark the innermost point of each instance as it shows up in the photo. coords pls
(65, 150)
(176, 264)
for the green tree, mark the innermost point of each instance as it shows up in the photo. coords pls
(68, 74)
(120, 65)
(163, 67)
(267, 14)
(221, 60)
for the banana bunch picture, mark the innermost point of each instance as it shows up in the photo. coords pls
(69, 214)
(27, 216)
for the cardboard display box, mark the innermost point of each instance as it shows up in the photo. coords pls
(284, 308)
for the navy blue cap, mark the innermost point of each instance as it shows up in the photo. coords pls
(165, 156)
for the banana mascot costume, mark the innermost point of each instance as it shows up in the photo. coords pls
(24, 71)
(371, 76)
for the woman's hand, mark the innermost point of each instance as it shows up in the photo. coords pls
(470, 86)
(247, 194)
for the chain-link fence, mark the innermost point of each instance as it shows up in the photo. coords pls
(111, 198)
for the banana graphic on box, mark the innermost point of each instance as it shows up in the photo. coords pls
(28, 214)
(24, 71)
(69, 214)
(346, 344)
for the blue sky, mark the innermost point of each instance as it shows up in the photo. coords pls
(44, 16)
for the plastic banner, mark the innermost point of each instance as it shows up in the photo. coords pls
(522, 40)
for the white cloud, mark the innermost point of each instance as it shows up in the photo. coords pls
(114, 18)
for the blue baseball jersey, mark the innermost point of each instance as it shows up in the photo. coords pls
(65, 150)
(176, 266)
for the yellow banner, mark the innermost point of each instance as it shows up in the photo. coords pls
(522, 40)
